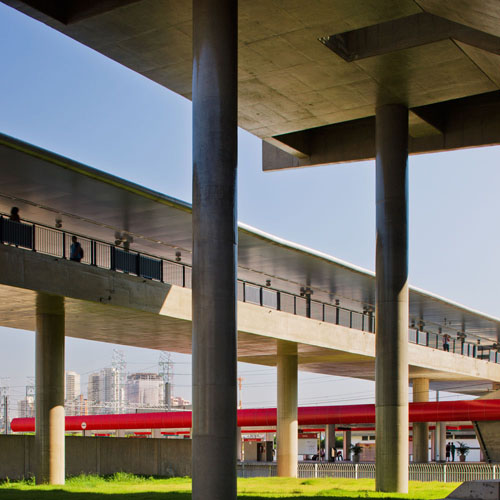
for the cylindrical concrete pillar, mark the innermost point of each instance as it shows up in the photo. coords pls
(238, 444)
(330, 442)
(391, 314)
(287, 421)
(49, 370)
(214, 248)
(346, 452)
(420, 429)
(442, 441)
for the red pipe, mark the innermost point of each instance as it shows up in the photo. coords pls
(447, 411)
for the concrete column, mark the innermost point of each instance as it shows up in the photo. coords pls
(287, 424)
(433, 444)
(442, 441)
(346, 452)
(329, 442)
(214, 248)
(420, 429)
(238, 444)
(391, 314)
(49, 361)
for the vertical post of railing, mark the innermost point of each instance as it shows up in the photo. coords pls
(261, 296)
(337, 316)
(417, 336)
(350, 319)
(308, 305)
(278, 301)
(244, 291)
(161, 270)
(315, 471)
(112, 258)
(93, 253)
(444, 473)
(183, 276)
(437, 341)
(33, 230)
(138, 264)
(427, 339)
(294, 304)
(323, 312)
(1, 229)
(63, 244)
(363, 322)
(356, 471)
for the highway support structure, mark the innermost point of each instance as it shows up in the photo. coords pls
(214, 341)
(391, 312)
(287, 418)
(421, 429)
(49, 432)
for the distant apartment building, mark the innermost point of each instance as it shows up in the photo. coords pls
(105, 394)
(145, 389)
(26, 407)
(72, 393)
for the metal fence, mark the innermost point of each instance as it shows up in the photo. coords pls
(448, 473)
(55, 242)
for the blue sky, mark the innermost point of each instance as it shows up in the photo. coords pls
(64, 97)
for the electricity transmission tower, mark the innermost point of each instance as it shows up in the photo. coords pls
(166, 371)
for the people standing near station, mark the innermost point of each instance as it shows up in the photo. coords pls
(448, 449)
(76, 250)
(446, 342)
(452, 450)
(14, 215)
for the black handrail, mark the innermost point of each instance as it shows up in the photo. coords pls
(44, 239)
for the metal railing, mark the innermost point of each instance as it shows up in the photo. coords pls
(447, 472)
(57, 243)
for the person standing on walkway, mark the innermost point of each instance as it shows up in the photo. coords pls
(448, 450)
(76, 250)
(446, 342)
(452, 449)
(14, 215)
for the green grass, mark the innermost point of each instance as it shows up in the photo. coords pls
(123, 486)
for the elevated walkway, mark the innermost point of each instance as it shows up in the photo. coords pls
(126, 297)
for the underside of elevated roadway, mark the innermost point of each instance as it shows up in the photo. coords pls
(311, 73)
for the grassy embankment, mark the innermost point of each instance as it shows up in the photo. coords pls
(128, 487)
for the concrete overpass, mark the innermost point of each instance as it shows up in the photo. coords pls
(146, 301)
(319, 82)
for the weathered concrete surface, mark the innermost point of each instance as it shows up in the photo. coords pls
(477, 490)
(161, 457)
(116, 306)
(288, 81)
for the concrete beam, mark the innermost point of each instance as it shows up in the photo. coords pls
(455, 124)
(287, 422)
(49, 361)
(404, 33)
(76, 10)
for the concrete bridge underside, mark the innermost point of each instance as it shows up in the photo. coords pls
(107, 306)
